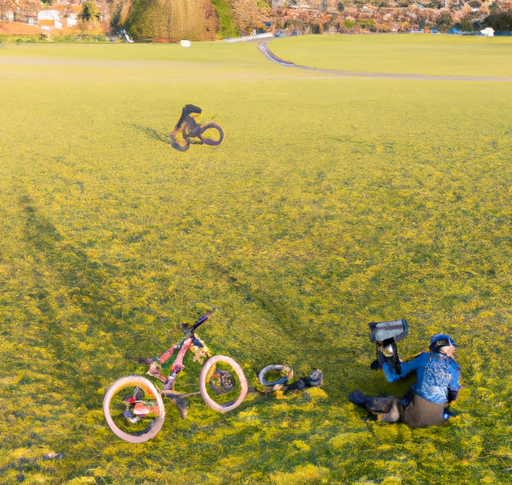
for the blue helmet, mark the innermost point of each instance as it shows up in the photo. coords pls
(440, 340)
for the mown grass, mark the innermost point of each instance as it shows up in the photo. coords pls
(441, 55)
(332, 202)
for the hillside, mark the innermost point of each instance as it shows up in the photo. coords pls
(207, 20)
(189, 19)
(180, 19)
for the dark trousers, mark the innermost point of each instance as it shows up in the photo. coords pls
(421, 413)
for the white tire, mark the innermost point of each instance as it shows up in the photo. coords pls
(156, 423)
(278, 382)
(238, 394)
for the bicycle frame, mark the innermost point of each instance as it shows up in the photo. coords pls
(183, 348)
(178, 363)
(187, 124)
(186, 113)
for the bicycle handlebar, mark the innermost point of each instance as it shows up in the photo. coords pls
(203, 319)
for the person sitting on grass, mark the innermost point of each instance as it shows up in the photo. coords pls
(438, 384)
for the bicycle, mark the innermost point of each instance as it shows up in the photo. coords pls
(188, 130)
(133, 405)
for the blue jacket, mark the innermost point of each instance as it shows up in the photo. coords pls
(436, 375)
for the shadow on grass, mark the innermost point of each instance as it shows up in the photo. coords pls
(152, 134)
(71, 291)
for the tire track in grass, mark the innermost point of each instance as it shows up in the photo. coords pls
(79, 311)
(278, 310)
(296, 332)
(262, 46)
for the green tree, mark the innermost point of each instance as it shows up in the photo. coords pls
(90, 12)
(444, 21)
(466, 24)
(501, 22)
(115, 21)
(224, 13)
(167, 10)
(141, 23)
(494, 8)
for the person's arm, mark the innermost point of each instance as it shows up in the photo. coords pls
(405, 368)
(454, 386)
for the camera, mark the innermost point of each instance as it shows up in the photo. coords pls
(386, 335)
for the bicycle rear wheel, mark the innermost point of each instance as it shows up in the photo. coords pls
(134, 409)
(211, 134)
(179, 143)
(222, 383)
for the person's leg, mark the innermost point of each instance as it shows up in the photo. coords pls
(393, 415)
(385, 408)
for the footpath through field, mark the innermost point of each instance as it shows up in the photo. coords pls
(263, 47)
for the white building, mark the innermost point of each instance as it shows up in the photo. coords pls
(48, 19)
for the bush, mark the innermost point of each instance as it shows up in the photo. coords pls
(444, 21)
(368, 24)
(465, 25)
(348, 23)
(22, 39)
(500, 22)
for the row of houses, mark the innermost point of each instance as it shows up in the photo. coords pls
(334, 5)
(45, 19)
(62, 14)
(49, 19)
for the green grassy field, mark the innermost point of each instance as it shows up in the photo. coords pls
(331, 203)
(441, 55)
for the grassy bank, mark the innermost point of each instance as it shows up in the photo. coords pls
(331, 203)
(43, 39)
(441, 55)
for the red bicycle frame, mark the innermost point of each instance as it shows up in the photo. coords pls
(183, 347)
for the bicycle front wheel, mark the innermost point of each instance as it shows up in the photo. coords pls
(222, 383)
(134, 409)
(211, 134)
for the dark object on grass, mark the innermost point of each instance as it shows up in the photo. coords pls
(53, 456)
(314, 379)
(188, 130)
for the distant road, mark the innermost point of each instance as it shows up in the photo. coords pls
(263, 47)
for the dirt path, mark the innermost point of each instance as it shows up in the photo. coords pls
(262, 46)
